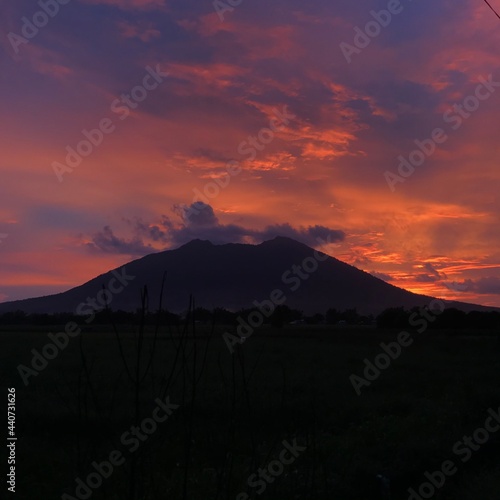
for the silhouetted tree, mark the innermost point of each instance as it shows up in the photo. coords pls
(283, 315)
(332, 316)
(394, 317)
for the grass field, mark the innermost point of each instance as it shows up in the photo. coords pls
(235, 411)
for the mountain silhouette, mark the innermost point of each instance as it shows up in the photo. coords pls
(234, 276)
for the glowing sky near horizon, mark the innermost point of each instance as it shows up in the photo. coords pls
(226, 79)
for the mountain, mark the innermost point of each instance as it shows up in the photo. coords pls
(234, 276)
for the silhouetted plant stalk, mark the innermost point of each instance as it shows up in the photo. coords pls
(188, 352)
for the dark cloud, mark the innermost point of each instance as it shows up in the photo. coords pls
(200, 222)
(199, 214)
(485, 286)
(105, 241)
(156, 232)
(426, 278)
(435, 276)
(432, 275)
(432, 270)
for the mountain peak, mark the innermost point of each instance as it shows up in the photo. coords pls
(283, 240)
(197, 243)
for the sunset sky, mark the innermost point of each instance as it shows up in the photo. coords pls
(323, 172)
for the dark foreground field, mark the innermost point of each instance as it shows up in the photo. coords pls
(235, 411)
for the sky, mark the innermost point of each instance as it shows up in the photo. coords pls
(367, 129)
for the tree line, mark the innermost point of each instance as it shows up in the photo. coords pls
(395, 317)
